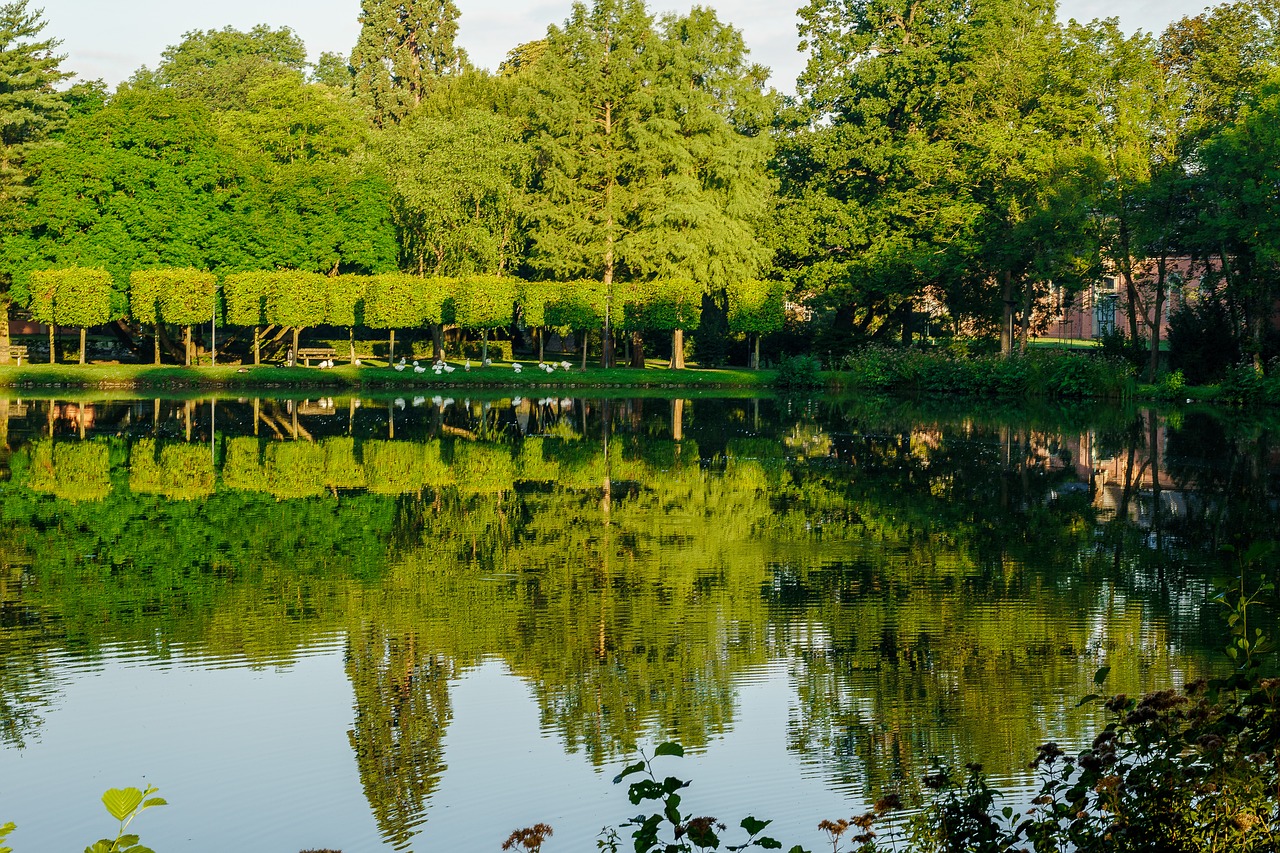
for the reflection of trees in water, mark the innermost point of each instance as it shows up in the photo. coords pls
(26, 677)
(944, 586)
(401, 711)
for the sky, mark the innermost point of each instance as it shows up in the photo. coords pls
(110, 39)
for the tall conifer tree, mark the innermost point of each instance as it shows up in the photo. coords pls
(403, 46)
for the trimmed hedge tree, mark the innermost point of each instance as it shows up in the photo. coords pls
(245, 297)
(180, 296)
(484, 302)
(77, 296)
(756, 308)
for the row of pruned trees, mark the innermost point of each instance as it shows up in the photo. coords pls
(288, 301)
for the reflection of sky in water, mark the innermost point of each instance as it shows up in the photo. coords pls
(259, 758)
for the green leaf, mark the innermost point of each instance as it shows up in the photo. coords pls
(797, 849)
(1084, 700)
(121, 802)
(102, 845)
(672, 784)
(753, 825)
(630, 768)
(768, 843)
(153, 802)
(1101, 675)
(672, 810)
(669, 748)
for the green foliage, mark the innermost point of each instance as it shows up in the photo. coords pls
(245, 297)
(32, 108)
(125, 804)
(219, 67)
(535, 298)
(484, 301)
(649, 148)
(344, 299)
(1041, 374)
(578, 305)
(5, 829)
(668, 828)
(73, 471)
(799, 372)
(186, 296)
(297, 298)
(392, 301)
(176, 471)
(402, 51)
(755, 306)
(661, 304)
(72, 297)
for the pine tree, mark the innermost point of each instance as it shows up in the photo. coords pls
(30, 109)
(402, 47)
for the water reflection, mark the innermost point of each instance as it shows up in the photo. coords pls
(939, 582)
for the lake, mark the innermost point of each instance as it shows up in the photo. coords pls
(411, 623)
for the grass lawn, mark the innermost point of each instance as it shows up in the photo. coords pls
(499, 375)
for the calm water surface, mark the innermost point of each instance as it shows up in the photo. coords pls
(420, 623)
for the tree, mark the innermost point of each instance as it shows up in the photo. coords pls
(484, 302)
(307, 200)
(533, 298)
(668, 305)
(457, 192)
(245, 296)
(403, 48)
(756, 308)
(159, 296)
(72, 297)
(344, 304)
(296, 299)
(220, 67)
(649, 150)
(30, 110)
(580, 306)
(400, 301)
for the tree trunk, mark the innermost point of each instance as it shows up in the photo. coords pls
(586, 338)
(5, 342)
(755, 353)
(1024, 322)
(541, 335)
(351, 340)
(437, 342)
(156, 338)
(1153, 364)
(297, 332)
(1007, 312)
(637, 350)
(257, 345)
(83, 332)
(484, 345)
(391, 349)
(53, 344)
(677, 350)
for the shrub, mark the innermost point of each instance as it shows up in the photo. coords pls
(799, 371)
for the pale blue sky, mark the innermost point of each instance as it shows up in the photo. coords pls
(112, 38)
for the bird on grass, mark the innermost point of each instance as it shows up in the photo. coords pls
(564, 365)
(399, 367)
(517, 367)
(467, 367)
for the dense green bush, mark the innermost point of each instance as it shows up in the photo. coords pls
(799, 371)
(942, 371)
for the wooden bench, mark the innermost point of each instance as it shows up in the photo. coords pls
(305, 354)
(18, 352)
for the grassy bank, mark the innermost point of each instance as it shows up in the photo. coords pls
(343, 377)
